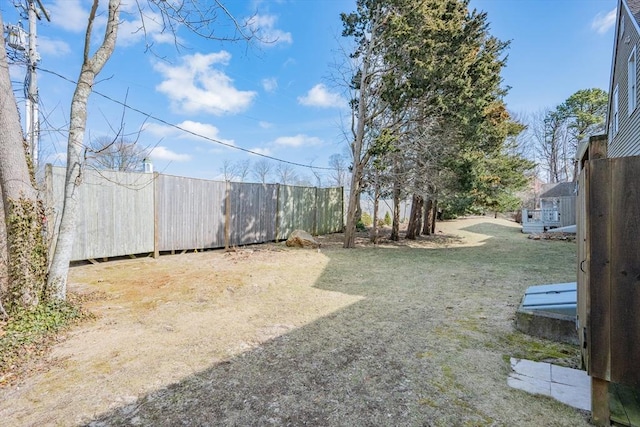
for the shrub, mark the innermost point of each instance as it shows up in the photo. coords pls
(366, 219)
(387, 218)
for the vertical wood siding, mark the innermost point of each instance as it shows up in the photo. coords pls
(296, 210)
(567, 210)
(329, 210)
(115, 212)
(253, 213)
(609, 293)
(190, 213)
(131, 213)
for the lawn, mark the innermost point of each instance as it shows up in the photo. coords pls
(408, 334)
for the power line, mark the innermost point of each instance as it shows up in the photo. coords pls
(151, 116)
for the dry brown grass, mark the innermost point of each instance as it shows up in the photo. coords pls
(406, 334)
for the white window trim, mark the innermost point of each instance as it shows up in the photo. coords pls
(632, 81)
(614, 120)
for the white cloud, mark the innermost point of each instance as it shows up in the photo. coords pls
(195, 86)
(264, 25)
(69, 14)
(299, 140)
(195, 130)
(265, 125)
(53, 47)
(270, 85)
(147, 26)
(603, 21)
(206, 130)
(163, 153)
(262, 150)
(319, 96)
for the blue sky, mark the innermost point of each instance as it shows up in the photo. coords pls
(282, 99)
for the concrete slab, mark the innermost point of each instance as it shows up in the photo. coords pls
(532, 369)
(569, 386)
(530, 385)
(576, 397)
(574, 377)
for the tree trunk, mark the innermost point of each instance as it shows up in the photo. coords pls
(415, 218)
(354, 196)
(434, 216)
(395, 227)
(23, 242)
(91, 67)
(426, 223)
(376, 203)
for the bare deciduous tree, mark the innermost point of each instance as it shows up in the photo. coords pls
(286, 173)
(340, 170)
(197, 17)
(242, 168)
(262, 170)
(117, 154)
(228, 170)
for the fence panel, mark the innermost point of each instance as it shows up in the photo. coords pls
(190, 213)
(329, 206)
(253, 213)
(122, 213)
(296, 210)
(115, 212)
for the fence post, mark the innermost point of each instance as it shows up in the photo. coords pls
(277, 212)
(315, 212)
(156, 227)
(227, 215)
(342, 209)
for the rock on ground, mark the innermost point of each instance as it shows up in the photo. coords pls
(302, 239)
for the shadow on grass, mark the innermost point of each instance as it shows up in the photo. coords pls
(424, 347)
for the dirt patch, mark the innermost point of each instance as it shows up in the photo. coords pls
(410, 333)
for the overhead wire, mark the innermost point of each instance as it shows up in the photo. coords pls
(175, 126)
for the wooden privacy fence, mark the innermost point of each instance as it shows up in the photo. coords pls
(609, 275)
(125, 213)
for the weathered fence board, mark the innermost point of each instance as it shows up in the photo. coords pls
(329, 217)
(625, 270)
(129, 213)
(599, 234)
(296, 210)
(253, 213)
(190, 213)
(612, 293)
(105, 226)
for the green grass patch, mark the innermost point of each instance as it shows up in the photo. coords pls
(522, 346)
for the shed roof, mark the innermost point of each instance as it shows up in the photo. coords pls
(559, 189)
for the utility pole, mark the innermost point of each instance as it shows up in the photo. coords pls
(31, 88)
(16, 40)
